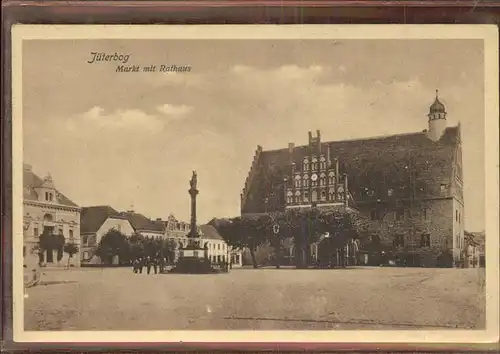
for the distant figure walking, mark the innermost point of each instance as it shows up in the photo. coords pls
(149, 263)
(140, 265)
(155, 265)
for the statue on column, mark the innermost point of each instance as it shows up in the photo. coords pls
(194, 180)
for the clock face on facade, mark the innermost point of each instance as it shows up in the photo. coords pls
(314, 177)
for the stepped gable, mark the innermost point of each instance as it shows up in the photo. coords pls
(32, 181)
(93, 217)
(371, 164)
(140, 222)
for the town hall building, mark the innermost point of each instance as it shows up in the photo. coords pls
(409, 185)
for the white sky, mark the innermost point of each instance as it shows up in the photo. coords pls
(123, 139)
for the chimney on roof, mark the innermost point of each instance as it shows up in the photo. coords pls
(27, 167)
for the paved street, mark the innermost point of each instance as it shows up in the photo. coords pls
(265, 299)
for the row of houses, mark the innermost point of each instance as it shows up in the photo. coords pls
(46, 211)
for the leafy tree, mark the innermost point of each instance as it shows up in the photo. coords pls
(136, 246)
(243, 232)
(71, 249)
(112, 244)
(304, 225)
(49, 242)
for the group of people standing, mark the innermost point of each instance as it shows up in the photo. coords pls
(149, 263)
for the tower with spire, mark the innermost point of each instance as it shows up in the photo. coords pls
(437, 119)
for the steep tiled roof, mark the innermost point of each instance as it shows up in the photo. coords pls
(141, 223)
(371, 164)
(209, 232)
(31, 181)
(93, 217)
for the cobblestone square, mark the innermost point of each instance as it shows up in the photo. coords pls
(262, 299)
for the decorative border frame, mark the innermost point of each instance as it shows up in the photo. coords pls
(211, 12)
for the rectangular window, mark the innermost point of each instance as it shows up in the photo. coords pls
(399, 240)
(61, 231)
(71, 234)
(426, 214)
(218, 246)
(443, 188)
(425, 240)
(456, 215)
(375, 215)
(35, 232)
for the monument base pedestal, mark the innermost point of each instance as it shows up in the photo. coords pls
(193, 265)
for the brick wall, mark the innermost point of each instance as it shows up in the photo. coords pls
(434, 217)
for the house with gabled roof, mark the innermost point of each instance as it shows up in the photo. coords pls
(410, 186)
(96, 221)
(49, 214)
(145, 226)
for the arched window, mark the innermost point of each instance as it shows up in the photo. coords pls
(297, 181)
(306, 164)
(331, 178)
(297, 197)
(314, 164)
(340, 193)
(322, 180)
(306, 196)
(306, 180)
(331, 194)
(322, 163)
(289, 197)
(314, 196)
(48, 218)
(323, 195)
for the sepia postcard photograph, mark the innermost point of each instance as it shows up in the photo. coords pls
(255, 183)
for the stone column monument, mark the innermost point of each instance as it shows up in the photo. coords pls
(193, 258)
(193, 248)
